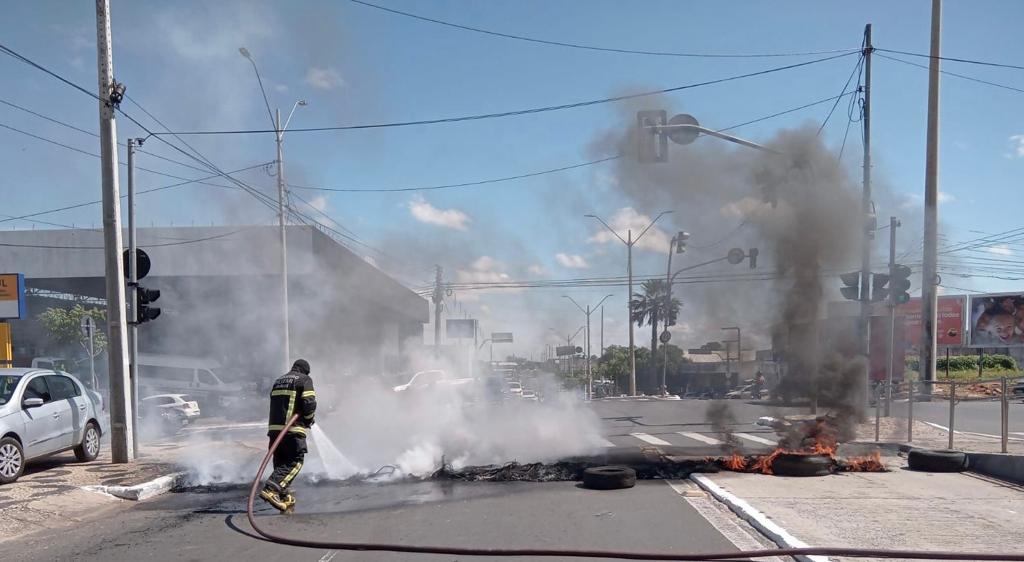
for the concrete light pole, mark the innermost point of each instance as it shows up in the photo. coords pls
(587, 312)
(630, 242)
(739, 348)
(279, 129)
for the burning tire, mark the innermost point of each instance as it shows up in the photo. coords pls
(926, 460)
(609, 478)
(791, 464)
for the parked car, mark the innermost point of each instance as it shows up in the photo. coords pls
(179, 402)
(530, 396)
(196, 377)
(430, 379)
(745, 392)
(1018, 390)
(515, 389)
(44, 412)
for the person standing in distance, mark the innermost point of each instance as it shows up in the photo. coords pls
(291, 394)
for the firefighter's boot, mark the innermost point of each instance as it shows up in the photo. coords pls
(289, 503)
(271, 496)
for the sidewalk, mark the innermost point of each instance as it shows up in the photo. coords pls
(899, 509)
(933, 436)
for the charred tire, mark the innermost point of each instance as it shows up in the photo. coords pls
(12, 460)
(89, 448)
(926, 460)
(609, 478)
(801, 465)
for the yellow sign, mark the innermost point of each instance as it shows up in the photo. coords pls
(9, 287)
(6, 352)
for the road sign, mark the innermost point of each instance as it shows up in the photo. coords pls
(682, 135)
(88, 326)
(142, 263)
(460, 328)
(12, 296)
(501, 337)
(735, 256)
(665, 337)
(566, 350)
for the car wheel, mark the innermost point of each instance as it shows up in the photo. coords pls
(12, 460)
(926, 460)
(609, 477)
(89, 448)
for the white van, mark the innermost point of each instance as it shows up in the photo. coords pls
(175, 374)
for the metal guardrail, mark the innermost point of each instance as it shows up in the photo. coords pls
(883, 389)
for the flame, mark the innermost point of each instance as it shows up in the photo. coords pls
(735, 462)
(764, 462)
(866, 463)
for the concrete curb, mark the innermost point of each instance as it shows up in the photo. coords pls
(142, 491)
(758, 520)
(998, 465)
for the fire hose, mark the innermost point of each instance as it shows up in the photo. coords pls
(620, 555)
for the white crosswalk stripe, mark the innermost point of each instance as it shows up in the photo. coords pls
(701, 438)
(650, 439)
(755, 439)
(606, 443)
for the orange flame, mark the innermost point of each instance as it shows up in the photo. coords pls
(866, 463)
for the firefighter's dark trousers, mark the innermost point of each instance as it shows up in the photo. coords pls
(287, 461)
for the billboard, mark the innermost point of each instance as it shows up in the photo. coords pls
(12, 296)
(566, 350)
(949, 324)
(460, 328)
(501, 337)
(997, 320)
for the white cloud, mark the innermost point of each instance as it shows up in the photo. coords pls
(536, 269)
(916, 201)
(627, 218)
(429, 214)
(1001, 250)
(484, 270)
(319, 203)
(324, 78)
(280, 88)
(575, 261)
(1017, 142)
(945, 197)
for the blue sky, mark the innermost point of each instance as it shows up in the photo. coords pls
(355, 64)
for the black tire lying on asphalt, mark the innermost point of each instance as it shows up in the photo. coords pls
(928, 460)
(609, 477)
(792, 464)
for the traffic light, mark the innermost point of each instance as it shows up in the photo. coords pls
(144, 298)
(681, 239)
(878, 290)
(752, 254)
(899, 283)
(652, 144)
(851, 280)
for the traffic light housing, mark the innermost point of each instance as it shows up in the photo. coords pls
(143, 299)
(851, 290)
(681, 239)
(879, 292)
(899, 284)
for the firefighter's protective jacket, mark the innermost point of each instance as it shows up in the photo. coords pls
(292, 394)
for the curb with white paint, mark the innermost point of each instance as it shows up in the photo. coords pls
(752, 515)
(142, 491)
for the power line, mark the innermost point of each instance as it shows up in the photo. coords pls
(518, 112)
(590, 47)
(952, 59)
(163, 245)
(963, 76)
(842, 93)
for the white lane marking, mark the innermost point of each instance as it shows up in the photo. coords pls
(718, 516)
(224, 426)
(606, 443)
(755, 439)
(329, 556)
(957, 432)
(650, 439)
(699, 437)
(759, 520)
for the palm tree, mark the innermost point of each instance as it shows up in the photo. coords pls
(651, 307)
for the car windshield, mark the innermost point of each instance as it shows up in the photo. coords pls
(7, 385)
(527, 251)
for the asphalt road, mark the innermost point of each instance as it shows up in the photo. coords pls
(981, 416)
(653, 516)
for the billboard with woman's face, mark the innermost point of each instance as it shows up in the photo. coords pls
(997, 320)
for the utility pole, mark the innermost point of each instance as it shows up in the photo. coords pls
(739, 347)
(438, 300)
(587, 312)
(893, 224)
(868, 217)
(929, 297)
(110, 94)
(133, 295)
(279, 133)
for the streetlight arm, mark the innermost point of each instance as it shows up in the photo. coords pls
(610, 229)
(719, 134)
(290, 113)
(598, 305)
(574, 302)
(576, 334)
(695, 266)
(641, 235)
(259, 79)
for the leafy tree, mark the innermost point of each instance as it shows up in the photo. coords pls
(651, 307)
(614, 364)
(64, 328)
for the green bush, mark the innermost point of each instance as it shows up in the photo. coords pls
(967, 363)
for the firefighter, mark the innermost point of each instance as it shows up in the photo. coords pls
(291, 394)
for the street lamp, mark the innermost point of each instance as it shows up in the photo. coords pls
(275, 121)
(629, 242)
(587, 312)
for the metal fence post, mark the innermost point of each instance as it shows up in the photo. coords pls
(910, 411)
(952, 410)
(878, 419)
(1004, 413)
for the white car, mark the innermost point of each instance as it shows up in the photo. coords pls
(424, 380)
(516, 389)
(43, 412)
(179, 402)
